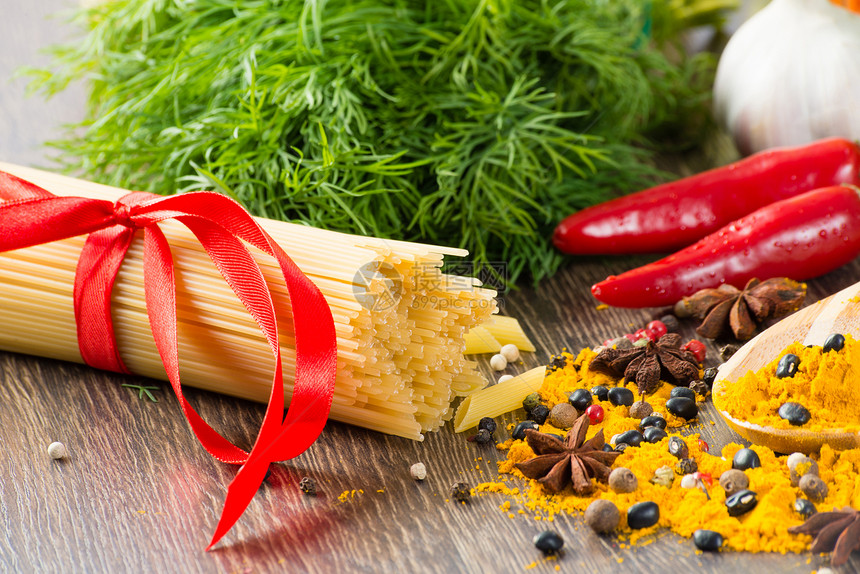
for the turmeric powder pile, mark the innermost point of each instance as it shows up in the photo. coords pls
(824, 384)
(682, 510)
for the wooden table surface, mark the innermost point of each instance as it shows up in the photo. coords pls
(138, 494)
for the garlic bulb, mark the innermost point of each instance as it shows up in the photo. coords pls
(791, 75)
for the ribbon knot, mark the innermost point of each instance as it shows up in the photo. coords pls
(122, 213)
(30, 215)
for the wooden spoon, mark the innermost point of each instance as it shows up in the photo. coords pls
(839, 313)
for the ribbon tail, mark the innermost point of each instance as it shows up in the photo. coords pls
(239, 495)
(160, 293)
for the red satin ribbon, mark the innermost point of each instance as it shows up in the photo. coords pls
(32, 216)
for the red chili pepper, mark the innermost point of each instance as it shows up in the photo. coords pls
(800, 237)
(671, 216)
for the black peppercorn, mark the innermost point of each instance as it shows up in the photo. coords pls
(804, 508)
(460, 491)
(682, 392)
(686, 466)
(745, 458)
(671, 322)
(834, 342)
(683, 407)
(653, 421)
(707, 540)
(548, 542)
(539, 414)
(601, 392)
(700, 387)
(483, 437)
(643, 515)
(741, 502)
(557, 362)
(631, 438)
(727, 351)
(487, 423)
(794, 413)
(621, 396)
(709, 376)
(580, 399)
(519, 432)
(308, 486)
(787, 366)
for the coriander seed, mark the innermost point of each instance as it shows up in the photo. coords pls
(664, 476)
(418, 471)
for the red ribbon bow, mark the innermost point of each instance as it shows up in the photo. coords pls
(32, 216)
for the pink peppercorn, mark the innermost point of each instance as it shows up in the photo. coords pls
(595, 414)
(658, 328)
(697, 348)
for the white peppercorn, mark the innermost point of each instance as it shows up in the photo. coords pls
(498, 362)
(689, 481)
(510, 352)
(57, 450)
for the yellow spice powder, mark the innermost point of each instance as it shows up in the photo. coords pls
(683, 511)
(824, 383)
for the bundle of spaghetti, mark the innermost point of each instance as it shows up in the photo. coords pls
(400, 321)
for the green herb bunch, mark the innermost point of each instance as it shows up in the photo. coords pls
(475, 123)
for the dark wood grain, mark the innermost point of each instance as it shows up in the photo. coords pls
(138, 494)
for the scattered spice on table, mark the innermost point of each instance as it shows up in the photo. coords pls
(759, 515)
(308, 486)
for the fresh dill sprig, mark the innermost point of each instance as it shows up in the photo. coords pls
(143, 390)
(475, 123)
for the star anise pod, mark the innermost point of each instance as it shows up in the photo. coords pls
(838, 532)
(572, 461)
(649, 364)
(742, 311)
